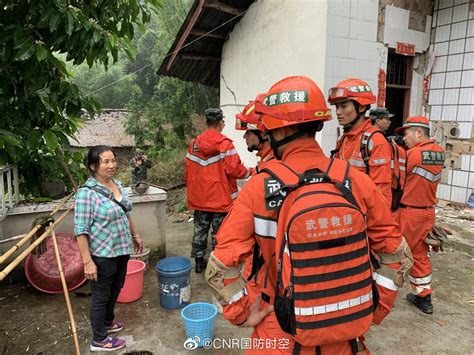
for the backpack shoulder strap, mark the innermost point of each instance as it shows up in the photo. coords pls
(338, 146)
(286, 176)
(365, 149)
(338, 172)
(110, 197)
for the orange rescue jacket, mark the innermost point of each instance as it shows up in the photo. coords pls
(265, 156)
(349, 148)
(212, 166)
(425, 162)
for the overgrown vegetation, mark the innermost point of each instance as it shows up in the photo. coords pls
(165, 109)
(39, 106)
(59, 57)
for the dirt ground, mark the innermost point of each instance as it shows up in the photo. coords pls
(33, 323)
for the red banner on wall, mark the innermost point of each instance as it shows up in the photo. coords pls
(405, 49)
(381, 88)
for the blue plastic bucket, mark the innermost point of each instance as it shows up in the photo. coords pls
(199, 319)
(174, 281)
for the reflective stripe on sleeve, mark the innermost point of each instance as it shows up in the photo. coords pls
(332, 307)
(265, 227)
(385, 281)
(358, 163)
(426, 174)
(238, 296)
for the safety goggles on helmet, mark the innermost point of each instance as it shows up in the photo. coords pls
(352, 89)
(248, 119)
(338, 94)
(239, 124)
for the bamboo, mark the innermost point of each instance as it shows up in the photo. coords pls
(18, 245)
(66, 292)
(28, 250)
(66, 169)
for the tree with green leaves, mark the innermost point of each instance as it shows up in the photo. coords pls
(39, 106)
(163, 106)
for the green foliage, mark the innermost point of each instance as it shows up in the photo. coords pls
(166, 120)
(39, 106)
(163, 106)
(120, 88)
(168, 168)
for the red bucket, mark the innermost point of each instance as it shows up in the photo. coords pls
(43, 273)
(133, 288)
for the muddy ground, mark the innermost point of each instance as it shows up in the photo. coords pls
(31, 322)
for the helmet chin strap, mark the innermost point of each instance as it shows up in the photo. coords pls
(274, 144)
(346, 128)
(261, 140)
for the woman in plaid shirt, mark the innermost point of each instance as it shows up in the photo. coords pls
(105, 232)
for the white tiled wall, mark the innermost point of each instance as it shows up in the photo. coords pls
(352, 50)
(452, 86)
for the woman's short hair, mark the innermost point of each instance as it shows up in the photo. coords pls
(93, 157)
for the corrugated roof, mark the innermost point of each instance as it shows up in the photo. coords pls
(106, 129)
(199, 61)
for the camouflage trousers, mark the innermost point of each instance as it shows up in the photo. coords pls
(203, 221)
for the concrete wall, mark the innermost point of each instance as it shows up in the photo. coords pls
(352, 51)
(451, 94)
(273, 40)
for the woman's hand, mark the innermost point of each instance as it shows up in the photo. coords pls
(137, 242)
(90, 270)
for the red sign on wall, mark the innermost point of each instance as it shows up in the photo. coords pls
(381, 88)
(405, 49)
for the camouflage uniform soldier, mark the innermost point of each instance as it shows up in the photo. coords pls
(203, 222)
(140, 164)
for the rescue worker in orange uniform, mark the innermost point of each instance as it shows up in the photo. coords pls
(380, 118)
(352, 98)
(256, 140)
(425, 161)
(212, 166)
(293, 110)
(255, 136)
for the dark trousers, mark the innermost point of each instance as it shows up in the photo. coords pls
(203, 221)
(105, 291)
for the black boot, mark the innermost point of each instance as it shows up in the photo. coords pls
(423, 303)
(201, 264)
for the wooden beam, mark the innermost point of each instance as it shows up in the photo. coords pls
(213, 34)
(196, 56)
(220, 6)
(190, 25)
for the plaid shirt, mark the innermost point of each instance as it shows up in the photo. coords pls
(103, 221)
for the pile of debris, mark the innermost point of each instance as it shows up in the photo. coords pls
(460, 222)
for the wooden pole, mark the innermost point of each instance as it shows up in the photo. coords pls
(66, 292)
(17, 246)
(66, 169)
(28, 250)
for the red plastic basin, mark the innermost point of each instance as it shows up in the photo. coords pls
(42, 272)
